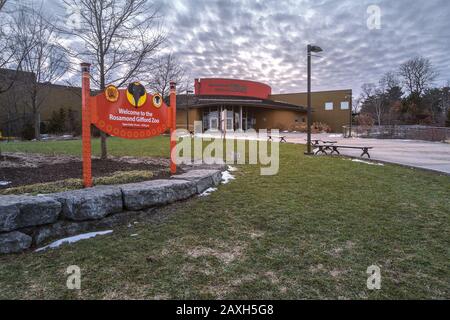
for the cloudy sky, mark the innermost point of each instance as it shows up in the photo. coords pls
(265, 40)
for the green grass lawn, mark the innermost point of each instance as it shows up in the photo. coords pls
(309, 232)
(154, 147)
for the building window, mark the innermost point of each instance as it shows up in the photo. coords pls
(345, 105)
(229, 123)
(205, 120)
(328, 105)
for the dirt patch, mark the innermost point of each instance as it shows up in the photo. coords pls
(256, 234)
(273, 278)
(336, 273)
(26, 169)
(224, 256)
(336, 252)
(317, 268)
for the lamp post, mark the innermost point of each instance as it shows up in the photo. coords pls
(310, 48)
(188, 92)
(350, 123)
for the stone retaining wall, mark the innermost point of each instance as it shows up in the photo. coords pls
(31, 220)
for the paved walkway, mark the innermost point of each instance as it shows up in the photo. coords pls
(414, 153)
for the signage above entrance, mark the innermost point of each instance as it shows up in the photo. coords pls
(232, 87)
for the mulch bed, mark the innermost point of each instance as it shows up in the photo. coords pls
(20, 176)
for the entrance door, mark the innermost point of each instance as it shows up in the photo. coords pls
(214, 123)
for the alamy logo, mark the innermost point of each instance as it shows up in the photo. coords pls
(374, 279)
(249, 147)
(74, 279)
(374, 20)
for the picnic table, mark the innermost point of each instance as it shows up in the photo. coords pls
(315, 143)
(334, 149)
(282, 138)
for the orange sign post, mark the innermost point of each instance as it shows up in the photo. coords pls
(86, 124)
(173, 126)
(130, 113)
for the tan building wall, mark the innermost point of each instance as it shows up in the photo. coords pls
(335, 118)
(55, 97)
(17, 102)
(278, 119)
(194, 115)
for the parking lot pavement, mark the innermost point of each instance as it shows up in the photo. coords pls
(414, 153)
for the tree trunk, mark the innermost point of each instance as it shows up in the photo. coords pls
(104, 155)
(104, 149)
(37, 125)
(36, 114)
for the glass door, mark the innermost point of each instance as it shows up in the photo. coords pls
(237, 120)
(213, 123)
(229, 123)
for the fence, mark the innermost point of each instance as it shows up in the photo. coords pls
(414, 132)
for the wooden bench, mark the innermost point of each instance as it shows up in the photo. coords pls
(282, 138)
(334, 149)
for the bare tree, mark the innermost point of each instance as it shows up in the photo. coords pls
(391, 90)
(389, 80)
(373, 101)
(379, 105)
(418, 74)
(119, 38)
(44, 58)
(12, 53)
(2, 4)
(167, 69)
(437, 102)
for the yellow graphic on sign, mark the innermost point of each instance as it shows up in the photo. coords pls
(157, 100)
(136, 94)
(112, 93)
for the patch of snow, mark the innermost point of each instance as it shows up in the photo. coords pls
(335, 136)
(73, 239)
(207, 192)
(232, 169)
(227, 177)
(368, 162)
(4, 183)
(134, 235)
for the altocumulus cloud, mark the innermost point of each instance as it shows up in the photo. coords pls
(266, 40)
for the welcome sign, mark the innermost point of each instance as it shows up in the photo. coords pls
(125, 114)
(129, 113)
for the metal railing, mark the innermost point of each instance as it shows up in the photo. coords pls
(409, 132)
